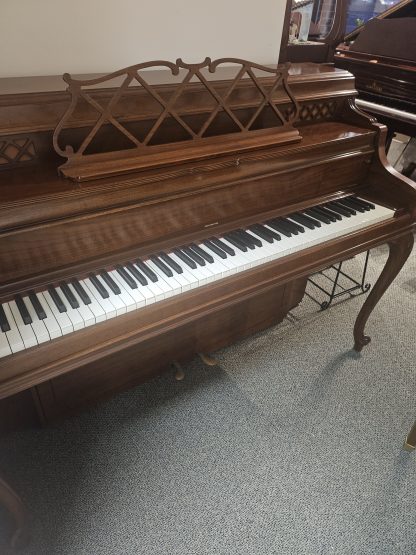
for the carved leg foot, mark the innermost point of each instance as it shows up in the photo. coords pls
(13, 504)
(399, 252)
(410, 441)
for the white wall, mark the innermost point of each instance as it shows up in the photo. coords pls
(48, 37)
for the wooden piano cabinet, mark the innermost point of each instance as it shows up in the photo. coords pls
(88, 384)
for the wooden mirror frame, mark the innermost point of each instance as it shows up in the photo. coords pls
(323, 50)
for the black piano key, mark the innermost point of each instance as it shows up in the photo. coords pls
(292, 225)
(330, 213)
(4, 323)
(313, 221)
(136, 274)
(37, 305)
(148, 272)
(170, 262)
(185, 258)
(344, 202)
(271, 233)
(57, 299)
(278, 226)
(195, 256)
(359, 203)
(69, 295)
(261, 232)
(303, 220)
(220, 244)
(205, 255)
(24, 313)
(162, 266)
(339, 208)
(110, 282)
(99, 286)
(317, 216)
(126, 277)
(244, 239)
(236, 242)
(81, 291)
(254, 240)
(213, 248)
(367, 203)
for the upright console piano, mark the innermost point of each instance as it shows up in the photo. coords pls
(382, 56)
(170, 209)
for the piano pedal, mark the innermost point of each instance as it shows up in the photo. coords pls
(179, 372)
(208, 360)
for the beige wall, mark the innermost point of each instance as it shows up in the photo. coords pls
(48, 37)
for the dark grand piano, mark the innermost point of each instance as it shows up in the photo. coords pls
(171, 209)
(382, 56)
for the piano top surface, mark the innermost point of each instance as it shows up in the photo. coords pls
(55, 83)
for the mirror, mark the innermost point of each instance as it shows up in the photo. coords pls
(311, 20)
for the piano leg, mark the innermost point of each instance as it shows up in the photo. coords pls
(13, 504)
(400, 250)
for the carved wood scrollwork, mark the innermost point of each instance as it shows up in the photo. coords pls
(228, 117)
(16, 150)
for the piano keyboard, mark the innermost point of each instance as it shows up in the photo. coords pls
(35, 318)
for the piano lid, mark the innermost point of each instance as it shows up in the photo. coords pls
(384, 37)
(405, 8)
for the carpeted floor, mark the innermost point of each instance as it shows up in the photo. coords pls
(291, 445)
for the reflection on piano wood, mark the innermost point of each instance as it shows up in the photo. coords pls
(191, 217)
(384, 66)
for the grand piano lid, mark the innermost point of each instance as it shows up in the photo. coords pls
(405, 8)
(392, 38)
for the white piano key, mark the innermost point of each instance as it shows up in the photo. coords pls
(138, 296)
(95, 306)
(169, 288)
(144, 290)
(26, 332)
(118, 303)
(50, 321)
(4, 345)
(187, 271)
(73, 314)
(38, 326)
(13, 335)
(155, 289)
(84, 310)
(219, 269)
(125, 296)
(105, 304)
(62, 318)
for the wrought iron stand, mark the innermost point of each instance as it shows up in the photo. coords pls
(357, 286)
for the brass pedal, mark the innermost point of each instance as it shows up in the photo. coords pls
(208, 360)
(179, 372)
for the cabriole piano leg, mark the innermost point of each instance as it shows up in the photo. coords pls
(399, 252)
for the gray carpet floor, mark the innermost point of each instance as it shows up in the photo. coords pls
(291, 445)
